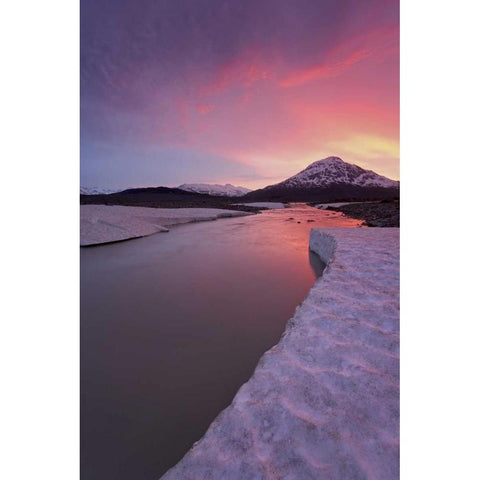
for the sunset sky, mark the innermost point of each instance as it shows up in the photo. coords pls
(246, 92)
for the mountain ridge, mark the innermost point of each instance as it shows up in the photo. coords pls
(215, 189)
(333, 170)
(330, 179)
(327, 180)
(97, 191)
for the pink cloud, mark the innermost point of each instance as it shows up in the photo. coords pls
(243, 72)
(326, 70)
(205, 108)
(248, 111)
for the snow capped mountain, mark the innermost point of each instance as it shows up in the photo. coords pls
(329, 180)
(96, 191)
(333, 171)
(227, 190)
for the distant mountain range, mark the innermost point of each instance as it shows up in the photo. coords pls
(156, 197)
(215, 190)
(328, 180)
(96, 191)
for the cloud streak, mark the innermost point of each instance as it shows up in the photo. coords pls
(326, 70)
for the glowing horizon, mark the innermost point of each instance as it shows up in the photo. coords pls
(247, 94)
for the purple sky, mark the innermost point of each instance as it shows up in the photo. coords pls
(246, 92)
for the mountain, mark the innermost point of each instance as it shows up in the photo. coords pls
(96, 191)
(227, 190)
(330, 179)
(146, 196)
(160, 197)
(334, 170)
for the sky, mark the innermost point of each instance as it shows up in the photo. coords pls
(245, 92)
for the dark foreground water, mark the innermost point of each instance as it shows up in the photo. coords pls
(173, 324)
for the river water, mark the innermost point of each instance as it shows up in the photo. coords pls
(173, 324)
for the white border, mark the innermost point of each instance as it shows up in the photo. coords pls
(40, 302)
(439, 245)
(439, 174)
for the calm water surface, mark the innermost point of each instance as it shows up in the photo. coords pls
(173, 324)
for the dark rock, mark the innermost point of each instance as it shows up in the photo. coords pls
(378, 214)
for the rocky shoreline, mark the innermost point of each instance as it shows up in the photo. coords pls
(374, 214)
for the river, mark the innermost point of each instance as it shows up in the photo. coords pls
(174, 323)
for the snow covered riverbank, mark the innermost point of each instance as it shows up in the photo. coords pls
(267, 205)
(112, 223)
(324, 402)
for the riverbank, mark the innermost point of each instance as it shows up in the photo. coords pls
(101, 224)
(162, 197)
(264, 205)
(172, 325)
(324, 402)
(373, 214)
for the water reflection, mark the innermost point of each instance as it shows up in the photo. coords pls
(173, 324)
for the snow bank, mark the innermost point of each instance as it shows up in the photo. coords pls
(323, 403)
(112, 223)
(269, 205)
(323, 244)
(323, 206)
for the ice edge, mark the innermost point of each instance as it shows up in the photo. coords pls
(323, 402)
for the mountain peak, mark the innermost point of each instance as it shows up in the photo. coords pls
(327, 180)
(327, 161)
(333, 171)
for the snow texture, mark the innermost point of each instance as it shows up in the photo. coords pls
(332, 171)
(324, 206)
(227, 190)
(105, 223)
(97, 191)
(268, 205)
(324, 402)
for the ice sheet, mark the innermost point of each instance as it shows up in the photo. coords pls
(111, 223)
